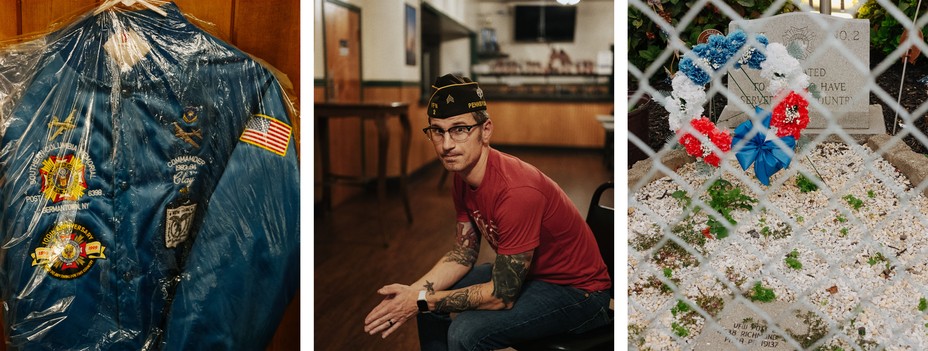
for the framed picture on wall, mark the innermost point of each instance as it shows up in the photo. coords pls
(410, 35)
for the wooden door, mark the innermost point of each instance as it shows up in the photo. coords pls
(342, 28)
(342, 53)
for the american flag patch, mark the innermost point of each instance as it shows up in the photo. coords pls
(267, 133)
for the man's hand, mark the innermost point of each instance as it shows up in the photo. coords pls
(398, 306)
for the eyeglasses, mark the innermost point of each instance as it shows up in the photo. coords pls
(458, 133)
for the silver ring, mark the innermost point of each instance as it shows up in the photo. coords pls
(390, 321)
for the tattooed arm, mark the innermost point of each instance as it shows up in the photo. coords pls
(500, 293)
(454, 264)
(399, 303)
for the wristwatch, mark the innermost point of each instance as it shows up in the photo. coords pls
(423, 305)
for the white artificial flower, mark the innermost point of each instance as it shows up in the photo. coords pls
(782, 70)
(685, 102)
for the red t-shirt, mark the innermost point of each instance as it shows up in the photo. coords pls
(517, 208)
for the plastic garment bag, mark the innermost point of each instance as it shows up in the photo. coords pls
(150, 195)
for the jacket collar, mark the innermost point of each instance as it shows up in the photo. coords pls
(80, 47)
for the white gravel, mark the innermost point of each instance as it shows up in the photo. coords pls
(842, 278)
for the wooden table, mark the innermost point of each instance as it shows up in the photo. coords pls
(379, 113)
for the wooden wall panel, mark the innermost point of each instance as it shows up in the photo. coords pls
(558, 124)
(38, 15)
(9, 26)
(271, 30)
(216, 13)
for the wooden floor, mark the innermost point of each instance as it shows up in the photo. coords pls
(351, 262)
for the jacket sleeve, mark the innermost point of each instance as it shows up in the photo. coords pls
(242, 269)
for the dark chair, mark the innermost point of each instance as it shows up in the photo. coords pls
(601, 220)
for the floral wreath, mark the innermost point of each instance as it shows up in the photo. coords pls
(788, 84)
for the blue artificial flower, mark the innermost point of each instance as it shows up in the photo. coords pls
(766, 156)
(752, 56)
(693, 72)
(719, 52)
(716, 53)
(736, 40)
(758, 56)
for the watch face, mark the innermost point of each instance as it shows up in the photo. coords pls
(423, 306)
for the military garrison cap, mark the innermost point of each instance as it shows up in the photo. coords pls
(455, 95)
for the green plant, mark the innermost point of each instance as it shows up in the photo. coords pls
(680, 330)
(922, 304)
(874, 259)
(885, 30)
(818, 329)
(792, 260)
(840, 218)
(804, 184)
(724, 198)
(762, 294)
(645, 241)
(844, 231)
(680, 307)
(645, 49)
(636, 334)
(682, 197)
(668, 273)
(871, 194)
(854, 202)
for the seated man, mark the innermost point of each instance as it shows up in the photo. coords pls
(548, 277)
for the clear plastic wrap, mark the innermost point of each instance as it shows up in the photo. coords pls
(150, 189)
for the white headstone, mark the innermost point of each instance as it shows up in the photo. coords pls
(838, 69)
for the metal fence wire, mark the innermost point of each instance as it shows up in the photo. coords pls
(821, 241)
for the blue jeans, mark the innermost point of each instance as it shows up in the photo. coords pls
(542, 309)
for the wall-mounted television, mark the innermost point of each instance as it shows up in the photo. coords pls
(545, 23)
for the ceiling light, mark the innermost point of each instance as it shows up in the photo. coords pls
(568, 2)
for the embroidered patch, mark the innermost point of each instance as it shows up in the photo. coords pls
(177, 223)
(186, 136)
(449, 99)
(60, 127)
(186, 169)
(61, 172)
(267, 133)
(479, 93)
(68, 251)
(191, 114)
(63, 178)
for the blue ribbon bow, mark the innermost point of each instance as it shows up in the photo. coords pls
(767, 157)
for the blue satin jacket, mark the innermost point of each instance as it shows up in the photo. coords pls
(150, 193)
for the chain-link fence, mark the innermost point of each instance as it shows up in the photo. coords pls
(782, 204)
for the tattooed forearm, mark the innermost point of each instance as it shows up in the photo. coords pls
(460, 300)
(508, 274)
(465, 247)
(462, 256)
(430, 287)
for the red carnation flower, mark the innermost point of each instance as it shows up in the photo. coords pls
(695, 147)
(791, 115)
